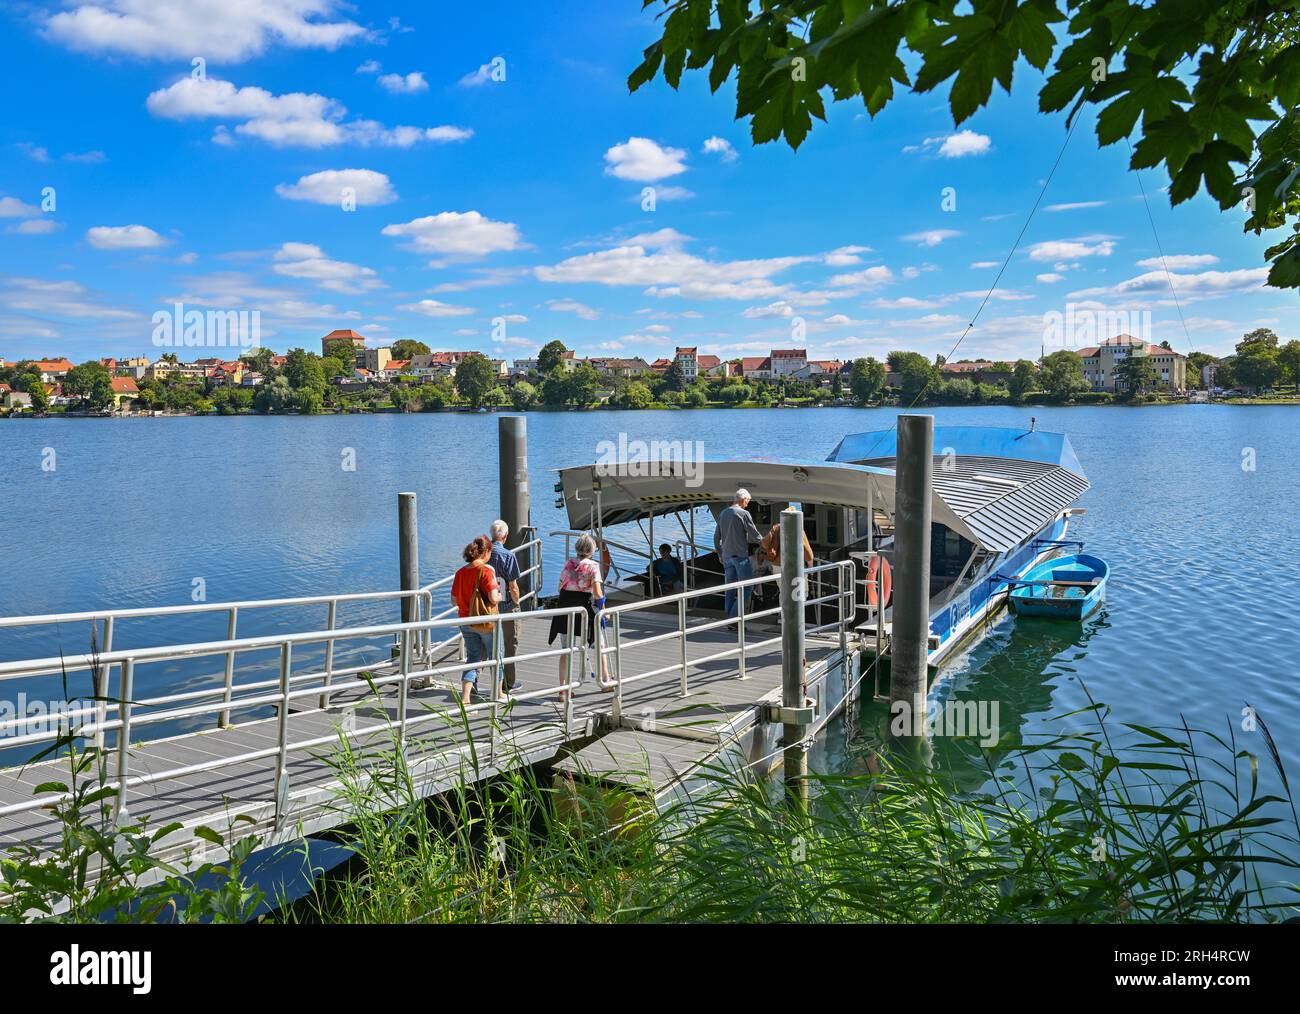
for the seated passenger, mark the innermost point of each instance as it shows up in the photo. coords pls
(666, 571)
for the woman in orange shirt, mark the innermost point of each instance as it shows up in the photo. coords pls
(476, 578)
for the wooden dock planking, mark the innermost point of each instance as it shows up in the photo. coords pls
(686, 732)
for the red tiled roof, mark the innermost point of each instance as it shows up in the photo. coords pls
(344, 333)
(397, 364)
(53, 365)
(5, 388)
(686, 351)
(789, 354)
(752, 363)
(708, 362)
(124, 385)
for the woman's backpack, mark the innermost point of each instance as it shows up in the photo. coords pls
(480, 604)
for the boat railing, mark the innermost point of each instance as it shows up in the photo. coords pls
(123, 718)
(612, 644)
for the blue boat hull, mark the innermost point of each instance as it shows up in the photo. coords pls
(1042, 592)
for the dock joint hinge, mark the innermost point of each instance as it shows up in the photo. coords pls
(791, 716)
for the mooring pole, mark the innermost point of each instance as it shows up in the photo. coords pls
(512, 454)
(408, 554)
(794, 714)
(910, 633)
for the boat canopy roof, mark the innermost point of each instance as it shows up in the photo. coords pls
(881, 446)
(635, 489)
(1005, 484)
(995, 486)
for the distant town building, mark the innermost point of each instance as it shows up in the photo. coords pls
(688, 360)
(981, 371)
(124, 389)
(1099, 363)
(355, 343)
(787, 362)
(52, 370)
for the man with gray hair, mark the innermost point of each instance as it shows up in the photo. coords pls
(732, 538)
(507, 569)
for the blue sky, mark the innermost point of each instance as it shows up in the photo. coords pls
(500, 204)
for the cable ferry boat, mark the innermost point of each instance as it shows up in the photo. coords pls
(1002, 503)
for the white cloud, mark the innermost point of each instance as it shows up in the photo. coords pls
(435, 308)
(722, 147)
(57, 299)
(844, 256)
(931, 237)
(326, 187)
(641, 159)
(295, 119)
(124, 237)
(1203, 285)
(772, 310)
(305, 260)
(1075, 206)
(657, 329)
(668, 192)
(1086, 246)
(982, 265)
(12, 207)
(225, 31)
(841, 320)
(905, 303)
(958, 145)
(34, 227)
(1179, 262)
(370, 67)
(409, 84)
(869, 278)
(34, 151)
(584, 311)
(457, 234)
(1050, 278)
(484, 75)
(656, 260)
(232, 289)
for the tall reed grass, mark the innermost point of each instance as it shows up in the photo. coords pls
(1123, 824)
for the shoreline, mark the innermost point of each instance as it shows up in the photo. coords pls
(1165, 403)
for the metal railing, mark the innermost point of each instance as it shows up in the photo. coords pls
(610, 618)
(106, 620)
(125, 714)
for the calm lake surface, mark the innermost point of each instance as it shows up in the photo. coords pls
(1199, 618)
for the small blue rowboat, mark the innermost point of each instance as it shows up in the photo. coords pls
(1067, 588)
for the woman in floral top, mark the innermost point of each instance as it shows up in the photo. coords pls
(580, 585)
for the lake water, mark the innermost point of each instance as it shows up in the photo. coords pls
(1204, 553)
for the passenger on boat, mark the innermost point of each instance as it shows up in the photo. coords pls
(667, 573)
(580, 585)
(506, 568)
(770, 548)
(732, 538)
(474, 590)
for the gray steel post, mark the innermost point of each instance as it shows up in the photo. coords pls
(910, 633)
(793, 660)
(408, 554)
(512, 431)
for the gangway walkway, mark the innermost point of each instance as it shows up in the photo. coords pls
(267, 748)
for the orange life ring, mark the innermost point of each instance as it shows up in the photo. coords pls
(606, 561)
(886, 584)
